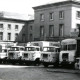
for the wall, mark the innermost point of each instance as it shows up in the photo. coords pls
(66, 21)
(5, 29)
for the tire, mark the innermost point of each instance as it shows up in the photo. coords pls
(45, 65)
(37, 62)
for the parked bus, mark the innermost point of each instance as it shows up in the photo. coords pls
(50, 56)
(68, 52)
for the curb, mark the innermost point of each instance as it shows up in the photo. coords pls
(64, 71)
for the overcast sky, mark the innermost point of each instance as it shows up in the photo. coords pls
(22, 6)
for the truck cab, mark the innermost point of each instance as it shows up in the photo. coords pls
(50, 56)
(31, 55)
(77, 63)
(15, 54)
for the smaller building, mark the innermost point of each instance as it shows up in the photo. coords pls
(11, 29)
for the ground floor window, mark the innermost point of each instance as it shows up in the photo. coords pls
(24, 37)
(31, 37)
(41, 31)
(51, 31)
(1, 35)
(61, 29)
(9, 36)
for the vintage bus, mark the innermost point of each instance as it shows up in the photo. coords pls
(68, 52)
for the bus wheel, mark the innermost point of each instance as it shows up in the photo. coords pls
(56, 65)
(37, 62)
(45, 65)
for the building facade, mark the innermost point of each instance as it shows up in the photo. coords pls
(57, 21)
(11, 29)
(28, 31)
(54, 21)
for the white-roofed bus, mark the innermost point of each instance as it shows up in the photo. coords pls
(68, 52)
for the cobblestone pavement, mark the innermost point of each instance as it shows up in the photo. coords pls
(10, 72)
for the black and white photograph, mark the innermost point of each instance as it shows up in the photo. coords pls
(39, 39)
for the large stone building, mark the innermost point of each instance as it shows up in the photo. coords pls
(56, 21)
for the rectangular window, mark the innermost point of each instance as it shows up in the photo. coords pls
(1, 26)
(61, 14)
(9, 36)
(51, 31)
(30, 27)
(24, 37)
(16, 27)
(51, 15)
(16, 36)
(1, 35)
(9, 26)
(61, 29)
(41, 31)
(42, 17)
(31, 37)
(78, 14)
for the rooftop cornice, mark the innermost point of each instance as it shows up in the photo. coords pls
(14, 20)
(56, 4)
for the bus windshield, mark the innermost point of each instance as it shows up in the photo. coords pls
(31, 49)
(49, 49)
(68, 47)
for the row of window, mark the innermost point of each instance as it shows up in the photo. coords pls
(61, 15)
(8, 36)
(51, 16)
(9, 27)
(51, 30)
